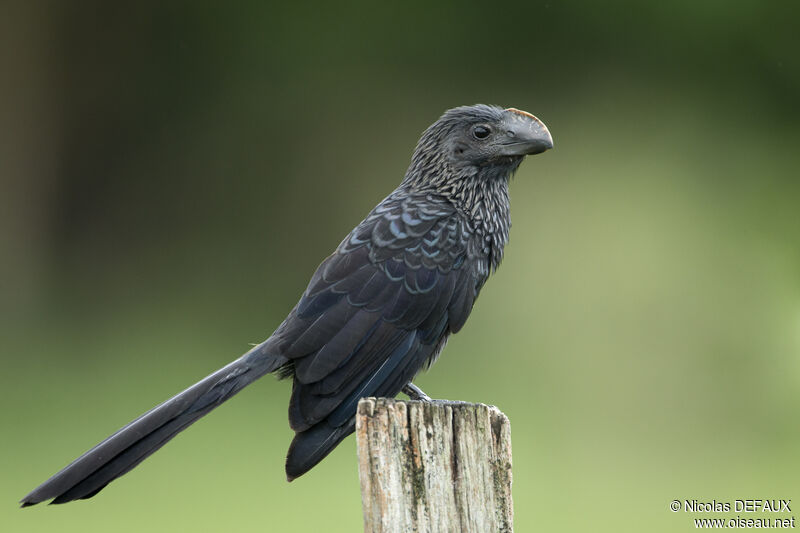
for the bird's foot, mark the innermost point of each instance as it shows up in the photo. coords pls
(416, 394)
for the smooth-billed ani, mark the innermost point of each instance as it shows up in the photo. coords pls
(377, 311)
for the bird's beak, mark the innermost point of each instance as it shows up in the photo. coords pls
(525, 134)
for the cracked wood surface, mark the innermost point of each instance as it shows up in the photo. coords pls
(431, 467)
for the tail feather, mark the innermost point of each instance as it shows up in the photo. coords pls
(127, 459)
(311, 446)
(119, 453)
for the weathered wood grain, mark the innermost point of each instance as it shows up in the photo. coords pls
(431, 467)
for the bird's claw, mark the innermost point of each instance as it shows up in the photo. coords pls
(415, 393)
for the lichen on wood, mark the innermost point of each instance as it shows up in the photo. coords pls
(430, 467)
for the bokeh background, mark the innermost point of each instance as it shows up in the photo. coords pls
(171, 173)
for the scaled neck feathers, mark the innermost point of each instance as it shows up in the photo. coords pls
(480, 193)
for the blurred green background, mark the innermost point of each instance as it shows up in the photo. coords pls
(172, 173)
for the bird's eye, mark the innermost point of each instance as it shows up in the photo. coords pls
(481, 132)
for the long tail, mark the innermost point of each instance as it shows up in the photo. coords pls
(119, 453)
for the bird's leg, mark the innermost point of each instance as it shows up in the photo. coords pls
(415, 393)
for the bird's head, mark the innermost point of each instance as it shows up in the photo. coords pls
(469, 138)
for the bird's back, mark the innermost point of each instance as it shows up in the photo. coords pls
(376, 311)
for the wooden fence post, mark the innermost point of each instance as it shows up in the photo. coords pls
(431, 467)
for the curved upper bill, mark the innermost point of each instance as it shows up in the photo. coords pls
(525, 134)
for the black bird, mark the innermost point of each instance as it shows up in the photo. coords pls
(376, 311)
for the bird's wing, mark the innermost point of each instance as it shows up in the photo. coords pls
(378, 309)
